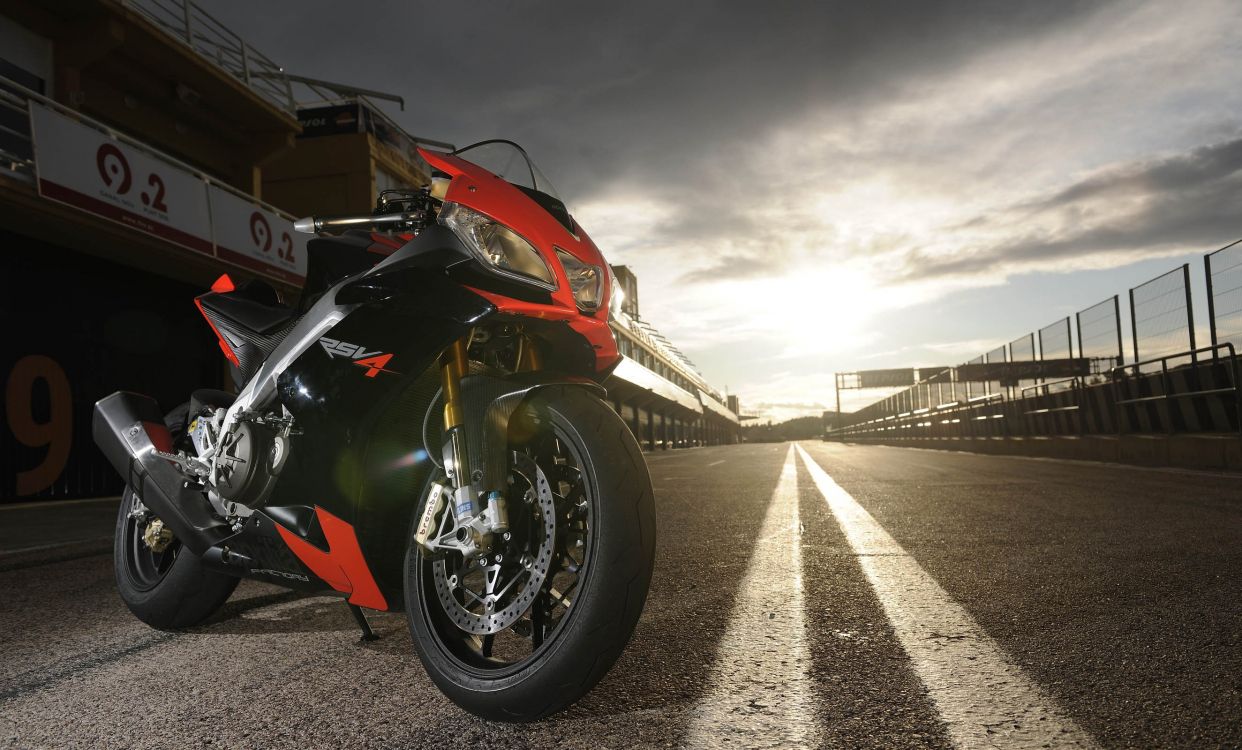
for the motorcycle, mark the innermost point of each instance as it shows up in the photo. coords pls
(425, 431)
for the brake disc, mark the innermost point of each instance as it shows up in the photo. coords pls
(504, 597)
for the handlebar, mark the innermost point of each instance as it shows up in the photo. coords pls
(315, 224)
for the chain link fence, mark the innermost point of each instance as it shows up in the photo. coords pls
(1160, 316)
(1056, 341)
(996, 355)
(1223, 270)
(1182, 390)
(1099, 336)
(1022, 349)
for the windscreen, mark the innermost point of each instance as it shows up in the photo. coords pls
(509, 161)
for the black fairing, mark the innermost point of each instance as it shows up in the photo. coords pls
(361, 445)
(270, 558)
(330, 259)
(360, 452)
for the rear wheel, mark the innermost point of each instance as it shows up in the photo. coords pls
(532, 626)
(163, 583)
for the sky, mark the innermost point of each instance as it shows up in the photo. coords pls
(806, 188)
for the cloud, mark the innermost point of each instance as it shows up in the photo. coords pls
(1134, 210)
(782, 175)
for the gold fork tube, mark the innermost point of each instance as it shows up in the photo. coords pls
(453, 366)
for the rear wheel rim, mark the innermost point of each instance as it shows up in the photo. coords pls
(145, 566)
(540, 627)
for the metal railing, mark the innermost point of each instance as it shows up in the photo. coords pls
(15, 96)
(1072, 406)
(648, 336)
(1167, 395)
(1066, 385)
(189, 24)
(16, 143)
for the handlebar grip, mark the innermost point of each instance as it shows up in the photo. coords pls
(315, 224)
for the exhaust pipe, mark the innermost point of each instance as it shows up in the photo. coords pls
(129, 429)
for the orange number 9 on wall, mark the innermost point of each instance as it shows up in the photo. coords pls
(56, 433)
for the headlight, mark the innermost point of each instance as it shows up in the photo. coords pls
(585, 280)
(497, 245)
(617, 300)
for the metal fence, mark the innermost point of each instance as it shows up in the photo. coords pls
(1160, 315)
(1099, 334)
(972, 390)
(186, 22)
(1056, 341)
(1223, 270)
(1168, 385)
(1022, 349)
(998, 354)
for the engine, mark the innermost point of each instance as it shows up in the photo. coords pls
(239, 464)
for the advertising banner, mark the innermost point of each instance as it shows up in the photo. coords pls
(255, 238)
(886, 378)
(89, 170)
(330, 120)
(1009, 373)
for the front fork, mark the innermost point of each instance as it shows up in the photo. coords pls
(478, 511)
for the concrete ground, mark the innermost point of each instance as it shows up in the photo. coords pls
(851, 596)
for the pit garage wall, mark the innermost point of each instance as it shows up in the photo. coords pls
(661, 415)
(76, 329)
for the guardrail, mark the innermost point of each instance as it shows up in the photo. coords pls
(1167, 394)
(19, 100)
(1074, 387)
(16, 144)
(1210, 386)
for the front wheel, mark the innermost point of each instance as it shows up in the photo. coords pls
(533, 625)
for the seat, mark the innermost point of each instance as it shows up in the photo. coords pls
(255, 316)
(251, 321)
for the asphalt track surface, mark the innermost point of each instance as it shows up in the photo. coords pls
(851, 596)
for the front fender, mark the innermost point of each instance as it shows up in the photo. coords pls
(402, 453)
(488, 402)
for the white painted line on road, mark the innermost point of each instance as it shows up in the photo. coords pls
(715, 463)
(984, 698)
(759, 693)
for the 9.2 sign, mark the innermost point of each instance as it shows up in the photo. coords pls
(261, 234)
(117, 176)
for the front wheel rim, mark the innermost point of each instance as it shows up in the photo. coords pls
(540, 628)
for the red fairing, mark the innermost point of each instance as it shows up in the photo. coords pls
(594, 330)
(224, 345)
(486, 193)
(342, 567)
(223, 284)
(386, 244)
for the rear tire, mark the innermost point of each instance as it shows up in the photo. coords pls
(170, 589)
(616, 572)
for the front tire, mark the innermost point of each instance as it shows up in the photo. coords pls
(169, 588)
(576, 631)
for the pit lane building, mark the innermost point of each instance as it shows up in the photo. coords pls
(145, 148)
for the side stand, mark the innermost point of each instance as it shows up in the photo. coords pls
(367, 633)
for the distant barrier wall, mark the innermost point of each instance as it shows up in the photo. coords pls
(1169, 384)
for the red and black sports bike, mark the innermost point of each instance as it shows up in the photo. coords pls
(424, 432)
